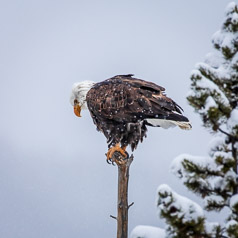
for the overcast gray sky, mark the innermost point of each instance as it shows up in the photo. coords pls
(54, 180)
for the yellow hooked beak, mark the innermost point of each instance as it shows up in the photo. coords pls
(77, 110)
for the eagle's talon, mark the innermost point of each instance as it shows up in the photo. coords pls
(116, 148)
(127, 156)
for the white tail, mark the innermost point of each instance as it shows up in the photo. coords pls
(185, 125)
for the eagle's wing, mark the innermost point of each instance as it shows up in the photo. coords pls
(127, 99)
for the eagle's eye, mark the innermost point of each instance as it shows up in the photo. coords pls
(75, 102)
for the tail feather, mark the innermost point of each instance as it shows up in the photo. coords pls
(164, 123)
(185, 125)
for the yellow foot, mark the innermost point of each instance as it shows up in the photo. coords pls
(115, 148)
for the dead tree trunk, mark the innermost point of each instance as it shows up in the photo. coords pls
(122, 203)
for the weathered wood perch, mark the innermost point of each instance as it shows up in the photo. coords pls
(122, 203)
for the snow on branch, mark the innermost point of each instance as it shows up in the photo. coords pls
(197, 163)
(184, 217)
(179, 212)
(210, 177)
(232, 122)
(147, 232)
(178, 206)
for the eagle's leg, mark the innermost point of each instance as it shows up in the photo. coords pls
(124, 149)
(117, 148)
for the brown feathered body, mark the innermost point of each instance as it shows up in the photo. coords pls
(122, 107)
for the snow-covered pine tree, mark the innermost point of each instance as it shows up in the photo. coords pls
(214, 95)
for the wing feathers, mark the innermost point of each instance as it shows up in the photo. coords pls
(126, 99)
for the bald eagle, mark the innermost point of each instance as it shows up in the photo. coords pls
(123, 106)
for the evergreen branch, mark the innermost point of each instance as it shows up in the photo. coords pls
(234, 154)
(113, 217)
(226, 133)
(203, 172)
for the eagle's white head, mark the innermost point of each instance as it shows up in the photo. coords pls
(78, 96)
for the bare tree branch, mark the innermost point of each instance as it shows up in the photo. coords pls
(123, 165)
(131, 205)
(113, 217)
